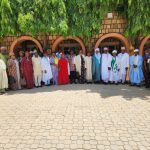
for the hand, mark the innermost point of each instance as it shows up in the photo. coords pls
(109, 68)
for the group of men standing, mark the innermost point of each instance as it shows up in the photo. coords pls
(29, 70)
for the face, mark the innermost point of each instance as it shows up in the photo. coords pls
(49, 52)
(62, 56)
(27, 54)
(123, 50)
(89, 54)
(136, 53)
(80, 52)
(20, 53)
(53, 54)
(97, 52)
(105, 51)
(114, 54)
(36, 54)
(45, 54)
(71, 52)
(13, 57)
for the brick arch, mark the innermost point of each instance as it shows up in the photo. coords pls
(25, 38)
(116, 36)
(143, 43)
(61, 38)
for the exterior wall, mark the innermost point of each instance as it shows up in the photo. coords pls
(116, 25)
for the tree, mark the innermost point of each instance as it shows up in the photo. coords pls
(8, 18)
(71, 17)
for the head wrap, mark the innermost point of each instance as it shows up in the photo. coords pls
(97, 50)
(106, 49)
(114, 51)
(136, 50)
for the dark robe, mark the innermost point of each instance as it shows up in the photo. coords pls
(27, 71)
(63, 77)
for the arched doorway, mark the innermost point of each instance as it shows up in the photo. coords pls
(67, 44)
(113, 41)
(144, 44)
(25, 43)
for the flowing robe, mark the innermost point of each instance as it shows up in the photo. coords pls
(3, 76)
(46, 70)
(136, 74)
(96, 69)
(106, 62)
(88, 66)
(13, 70)
(54, 67)
(115, 66)
(124, 63)
(63, 74)
(37, 69)
(27, 71)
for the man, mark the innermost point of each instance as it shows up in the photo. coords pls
(147, 67)
(54, 67)
(13, 72)
(3, 77)
(37, 69)
(80, 67)
(96, 66)
(124, 64)
(46, 69)
(106, 65)
(27, 70)
(88, 66)
(115, 67)
(72, 67)
(21, 55)
(136, 73)
(63, 75)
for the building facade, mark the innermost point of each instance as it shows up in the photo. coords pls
(111, 35)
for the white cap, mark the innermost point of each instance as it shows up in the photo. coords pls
(35, 51)
(105, 48)
(136, 50)
(114, 51)
(123, 47)
(97, 49)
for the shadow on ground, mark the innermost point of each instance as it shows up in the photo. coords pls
(106, 91)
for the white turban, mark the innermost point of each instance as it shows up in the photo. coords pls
(114, 51)
(123, 48)
(105, 48)
(35, 51)
(136, 50)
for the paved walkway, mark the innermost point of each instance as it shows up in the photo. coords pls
(85, 117)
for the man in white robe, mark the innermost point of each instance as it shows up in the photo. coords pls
(88, 66)
(37, 69)
(3, 77)
(115, 67)
(106, 65)
(124, 64)
(46, 69)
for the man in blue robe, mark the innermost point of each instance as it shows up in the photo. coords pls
(136, 73)
(96, 66)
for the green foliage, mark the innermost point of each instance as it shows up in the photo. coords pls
(70, 17)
